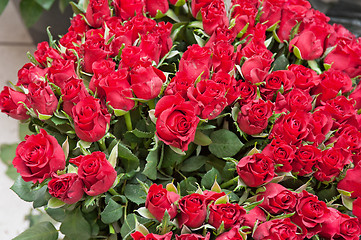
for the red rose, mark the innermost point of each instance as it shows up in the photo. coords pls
(274, 81)
(311, 41)
(356, 96)
(340, 226)
(356, 208)
(41, 98)
(271, 12)
(346, 57)
(244, 12)
(163, 30)
(67, 187)
(221, 34)
(193, 210)
(230, 214)
(97, 12)
(277, 199)
(78, 24)
(153, 6)
(281, 154)
(96, 172)
(305, 159)
(117, 90)
(292, 128)
(232, 234)
(256, 215)
(310, 214)
(212, 196)
(256, 68)
(10, 103)
(139, 236)
(160, 200)
(341, 110)
(73, 92)
(61, 71)
(277, 229)
(30, 73)
(305, 78)
(101, 69)
(90, 119)
(195, 61)
(134, 56)
(192, 237)
(208, 98)
(214, 16)
(321, 122)
(352, 181)
(179, 84)
(126, 9)
(141, 25)
(197, 5)
(177, 122)
(331, 164)
(38, 157)
(146, 82)
(223, 58)
(94, 49)
(256, 169)
(348, 137)
(294, 100)
(253, 117)
(151, 46)
(332, 81)
(44, 53)
(247, 92)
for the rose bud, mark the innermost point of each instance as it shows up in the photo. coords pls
(192, 237)
(73, 92)
(94, 49)
(61, 71)
(277, 199)
(193, 211)
(306, 78)
(30, 73)
(139, 236)
(44, 53)
(214, 16)
(253, 216)
(232, 234)
(306, 157)
(212, 196)
(197, 5)
(352, 181)
(153, 6)
(126, 9)
(97, 12)
(176, 121)
(160, 200)
(38, 157)
(42, 99)
(229, 214)
(67, 187)
(97, 174)
(256, 169)
(356, 208)
(277, 229)
(90, 119)
(253, 117)
(10, 103)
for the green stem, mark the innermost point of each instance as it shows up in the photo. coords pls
(128, 121)
(298, 61)
(113, 192)
(102, 145)
(230, 182)
(151, 104)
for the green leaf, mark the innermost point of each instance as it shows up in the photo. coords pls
(280, 63)
(113, 156)
(170, 13)
(144, 212)
(112, 212)
(40, 231)
(128, 225)
(150, 169)
(224, 143)
(193, 164)
(46, 4)
(23, 189)
(314, 66)
(201, 139)
(180, 3)
(135, 193)
(30, 11)
(209, 178)
(58, 214)
(3, 4)
(55, 203)
(297, 52)
(41, 197)
(44, 116)
(129, 160)
(75, 226)
(249, 207)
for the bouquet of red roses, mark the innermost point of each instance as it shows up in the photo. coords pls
(187, 120)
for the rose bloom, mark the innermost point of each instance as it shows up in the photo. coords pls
(229, 214)
(160, 200)
(256, 169)
(294, 100)
(352, 181)
(38, 157)
(96, 172)
(176, 121)
(193, 210)
(139, 236)
(232, 234)
(67, 187)
(306, 157)
(10, 103)
(277, 229)
(277, 199)
(192, 237)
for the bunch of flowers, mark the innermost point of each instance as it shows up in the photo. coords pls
(202, 119)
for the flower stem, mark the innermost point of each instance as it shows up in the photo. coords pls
(230, 182)
(128, 121)
(113, 192)
(151, 104)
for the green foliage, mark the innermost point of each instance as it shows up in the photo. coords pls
(224, 143)
(40, 231)
(75, 226)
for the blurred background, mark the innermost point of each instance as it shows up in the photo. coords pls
(16, 40)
